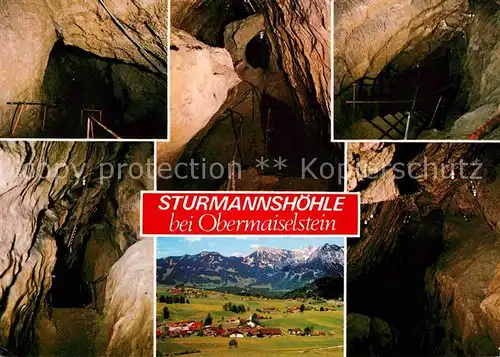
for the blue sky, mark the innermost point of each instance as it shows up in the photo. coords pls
(230, 246)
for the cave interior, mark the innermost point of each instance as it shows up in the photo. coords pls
(128, 99)
(261, 116)
(436, 81)
(83, 230)
(424, 260)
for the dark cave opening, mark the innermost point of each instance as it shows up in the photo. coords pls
(285, 133)
(127, 99)
(404, 154)
(397, 292)
(69, 289)
(257, 51)
(215, 15)
(280, 135)
(426, 82)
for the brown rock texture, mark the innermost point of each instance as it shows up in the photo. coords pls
(130, 301)
(382, 188)
(90, 27)
(490, 307)
(201, 77)
(452, 215)
(466, 279)
(489, 197)
(369, 34)
(366, 160)
(441, 168)
(237, 34)
(301, 31)
(28, 246)
(482, 66)
(433, 169)
(27, 34)
(371, 162)
(53, 189)
(29, 30)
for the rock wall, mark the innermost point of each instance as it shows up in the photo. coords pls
(371, 161)
(466, 279)
(130, 302)
(28, 247)
(481, 68)
(50, 192)
(376, 171)
(204, 19)
(301, 31)
(447, 232)
(369, 34)
(29, 31)
(201, 77)
(28, 34)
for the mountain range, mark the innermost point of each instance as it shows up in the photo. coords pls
(264, 268)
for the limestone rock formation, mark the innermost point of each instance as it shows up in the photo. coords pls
(490, 306)
(28, 34)
(301, 30)
(51, 195)
(467, 123)
(30, 29)
(482, 65)
(466, 280)
(201, 77)
(130, 302)
(238, 34)
(482, 62)
(370, 161)
(367, 334)
(369, 34)
(440, 245)
(299, 36)
(377, 42)
(89, 26)
(489, 197)
(365, 160)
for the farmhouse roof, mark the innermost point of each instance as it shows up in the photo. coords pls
(270, 331)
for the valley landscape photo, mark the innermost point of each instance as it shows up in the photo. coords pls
(250, 296)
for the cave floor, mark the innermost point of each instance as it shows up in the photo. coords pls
(77, 331)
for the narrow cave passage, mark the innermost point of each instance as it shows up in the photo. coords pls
(128, 100)
(69, 288)
(73, 228)
(399, 282)
(427, 255)
(257, 51)
(430, 88)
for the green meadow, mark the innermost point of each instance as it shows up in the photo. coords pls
(331, 322)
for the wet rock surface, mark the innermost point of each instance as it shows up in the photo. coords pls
(201, 77)
(378, 43)
(301, 30)
(370, 161)
(369, 34)
(439, 248)
(53, 203)
(279, 72)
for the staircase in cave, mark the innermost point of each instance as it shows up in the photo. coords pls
(77, 331)
(390, 126)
